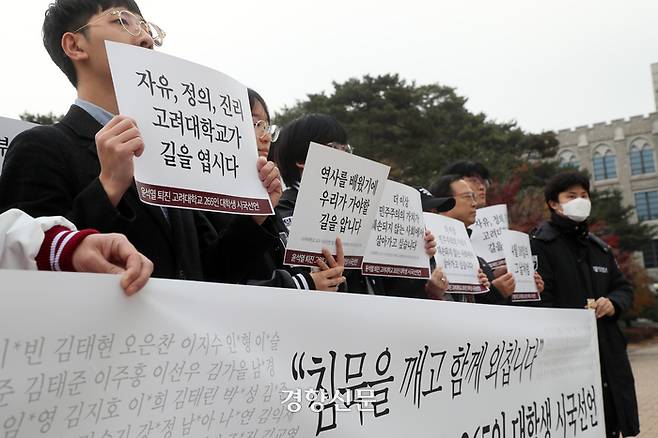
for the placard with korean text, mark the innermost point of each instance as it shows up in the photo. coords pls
(200, 146)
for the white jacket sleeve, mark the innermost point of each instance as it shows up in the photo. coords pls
(21, 237)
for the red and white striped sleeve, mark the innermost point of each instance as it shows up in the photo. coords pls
(23, 239)
(59, 243)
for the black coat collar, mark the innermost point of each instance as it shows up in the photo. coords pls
(81, 122)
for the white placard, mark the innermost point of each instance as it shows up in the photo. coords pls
(10, 128)
(396, 247)
(196, 124)
(79, 359)
(338, 197)
(519, 261)
(486, 236)
(455, 254)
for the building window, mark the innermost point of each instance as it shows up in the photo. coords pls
(650, 253)
(641, 156)
(568, 159)
(605, 163)
(646, 205)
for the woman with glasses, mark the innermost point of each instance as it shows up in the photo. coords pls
(266, 133)
(291, 149)
(267, 268)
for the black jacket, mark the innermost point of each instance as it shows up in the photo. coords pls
(575, 266)
(53, 170)
(267, 268)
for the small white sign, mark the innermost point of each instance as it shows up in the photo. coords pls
(454, 253)
(487, 230)
(396, 247)
(196, 124)
(338, 197)
(10, 128)
(519, 261)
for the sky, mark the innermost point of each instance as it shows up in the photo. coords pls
(547, 65)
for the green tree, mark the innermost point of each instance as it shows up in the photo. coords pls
(41, 119)
(418, 129)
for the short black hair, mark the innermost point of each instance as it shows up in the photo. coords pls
(67, 16)
(466, 168)
(441, 188)
(292, 146)
(562, 181)
(255, 97)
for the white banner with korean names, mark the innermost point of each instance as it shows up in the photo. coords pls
(10, 128)
(396, 247)
(519, 261)
(79, 359)
(200, 146)
(338, 197)
(455, 254)
(486, 237)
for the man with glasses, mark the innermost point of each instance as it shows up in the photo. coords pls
(475, 174)
(465, 211)
(477, 177)
(82, 167)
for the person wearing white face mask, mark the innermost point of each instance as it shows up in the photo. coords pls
(580, 271)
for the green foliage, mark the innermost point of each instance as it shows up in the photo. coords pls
(418, 129)
(42, 119)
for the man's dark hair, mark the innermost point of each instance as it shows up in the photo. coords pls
(292, 146)
(561, 182)
(255, 97)
(466, 168)
(441, 188)
(67, 16)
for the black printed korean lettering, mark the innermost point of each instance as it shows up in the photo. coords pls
(4, 145)
(146, 80)
(326, 388)
(495, 429)
(436, 365)
(367, 395)
(413, 375)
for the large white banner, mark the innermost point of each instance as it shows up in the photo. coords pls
(338, 196)
(197, 128)
(80, 359)
(10, 128)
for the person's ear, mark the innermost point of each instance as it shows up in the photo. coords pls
(74, 47)
(554, 205)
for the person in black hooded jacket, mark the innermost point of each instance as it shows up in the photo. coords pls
(579, 270)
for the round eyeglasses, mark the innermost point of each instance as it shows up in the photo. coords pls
(468, 196)
(132, 24)
(263, 128)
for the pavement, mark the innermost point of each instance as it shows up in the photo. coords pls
(644, 360)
